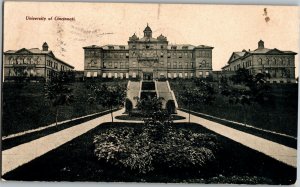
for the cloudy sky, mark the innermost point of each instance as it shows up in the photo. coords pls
(227, 28)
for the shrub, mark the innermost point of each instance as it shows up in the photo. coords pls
(128, 105)
(156, 145)
(170, 106)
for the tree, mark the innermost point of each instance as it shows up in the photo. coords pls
(109, 96)
(58, 91)
(246, 89)
(149, 105)
(202, 94)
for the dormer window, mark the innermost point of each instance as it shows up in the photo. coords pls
(110, 47)
(122, 47)
(174, 47)
(185, 47)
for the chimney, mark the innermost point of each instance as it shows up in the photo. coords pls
(261, 44)
(45, 46)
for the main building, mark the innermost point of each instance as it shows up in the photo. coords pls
(147, 58)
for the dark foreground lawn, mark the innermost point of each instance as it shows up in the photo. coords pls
(14, 141)
(279, 115)
(25, 106)
(76, 161)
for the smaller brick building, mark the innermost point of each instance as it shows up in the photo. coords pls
(35, 64)
(279, 64)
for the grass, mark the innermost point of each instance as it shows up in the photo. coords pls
(25, 106)
(284, 140)
(14, 141)
(76, 161)
(279, 116)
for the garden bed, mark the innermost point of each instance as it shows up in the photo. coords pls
(138, 118)
(76, 161)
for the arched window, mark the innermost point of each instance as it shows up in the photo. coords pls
(259, 61)
(267, 61)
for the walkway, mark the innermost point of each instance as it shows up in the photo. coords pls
(277, 151)
(24, 153)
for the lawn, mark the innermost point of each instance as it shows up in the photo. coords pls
(76, 161)
(280, 115)
(25, 106)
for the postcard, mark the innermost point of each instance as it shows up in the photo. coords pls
(150, 93)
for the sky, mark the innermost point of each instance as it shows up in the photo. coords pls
(227, 28)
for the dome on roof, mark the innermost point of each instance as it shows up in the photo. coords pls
(45, 46)
(133, 37)
(147, 28)
(148, 32)
(162, 37)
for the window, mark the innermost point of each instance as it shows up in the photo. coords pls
(116, 64)
(200, 73)
(192, 74)
(259, 61)
(180, 65)
(104, 75)
(175, 75)
(207, 73)
(169, 75)
(185, 74)
(186, 64)
(121, 75)
(127, 75)
(116, 75)
(180, 75)
(134, 63)
(175, 65)
(109, 75)
(161, 46)
(95, 74)
(134, 75)
(169, 64)
(88, 74)
(161, 54)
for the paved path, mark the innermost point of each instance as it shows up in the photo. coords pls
(277, 151)
(24, 153)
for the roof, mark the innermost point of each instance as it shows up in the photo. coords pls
(243, 54)
(147, 28)
(92, 46)
(115, 47)
(36, 51)
(204, 46)
(181, 46)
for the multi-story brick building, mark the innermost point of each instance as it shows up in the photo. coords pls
(147, 58)
(279, 64)
(32, 63)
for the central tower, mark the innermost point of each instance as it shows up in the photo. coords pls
(148, 32)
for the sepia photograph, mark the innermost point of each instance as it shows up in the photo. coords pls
(149, 93)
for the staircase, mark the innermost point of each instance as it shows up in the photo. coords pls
(164, 91)
(150, 88)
